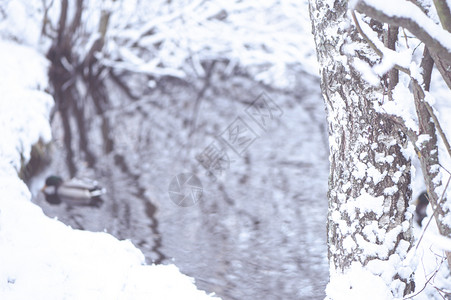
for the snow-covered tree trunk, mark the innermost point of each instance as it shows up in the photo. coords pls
(369, 185)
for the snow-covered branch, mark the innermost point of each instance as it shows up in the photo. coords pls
(390, 57)
(402, 62)
(406, 14)
(179, 38)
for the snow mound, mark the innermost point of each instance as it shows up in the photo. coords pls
(41, 258)
(357, 283)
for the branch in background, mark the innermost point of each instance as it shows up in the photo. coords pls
(421, 26)
(45, 19)
(123, 86)
(62, 23)
(427, 64)
(420, 6)
(438, 127)
(444, 13)
(76, 21)
(100, 42)
(390, 43)
(444, 68)
(200, 95)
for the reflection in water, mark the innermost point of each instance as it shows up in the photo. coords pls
(259, 228)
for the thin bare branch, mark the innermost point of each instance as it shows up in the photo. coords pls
(427, 281)
(76, 21)
(100, 42)
(438, 127)
(62, 22)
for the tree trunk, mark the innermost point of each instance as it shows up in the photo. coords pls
(369, 183)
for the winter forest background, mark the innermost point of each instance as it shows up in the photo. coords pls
(135, 93)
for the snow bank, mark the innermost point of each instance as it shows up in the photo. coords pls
(373, 281)
(41, 258)
(357, 283)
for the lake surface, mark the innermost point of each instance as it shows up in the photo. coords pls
(257, 229)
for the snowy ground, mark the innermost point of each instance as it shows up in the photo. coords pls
(41, 258)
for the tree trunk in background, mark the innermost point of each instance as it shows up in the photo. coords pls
(369, 183)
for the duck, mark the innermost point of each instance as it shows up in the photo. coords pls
(74, 192)
(420, 210)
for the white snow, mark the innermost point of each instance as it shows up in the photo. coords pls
(403, 106)
(349, 244)
(357, 283)
(20, 22)
(367, 72)
(422, 138)
(24, 107)
(41, 258)
(439, 241)
(367, 203)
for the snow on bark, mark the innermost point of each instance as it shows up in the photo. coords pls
(369, 185)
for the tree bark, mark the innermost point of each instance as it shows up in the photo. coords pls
(369, 183)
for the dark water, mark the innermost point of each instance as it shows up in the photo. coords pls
(258, 230)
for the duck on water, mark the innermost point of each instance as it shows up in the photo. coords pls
(74, 192)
